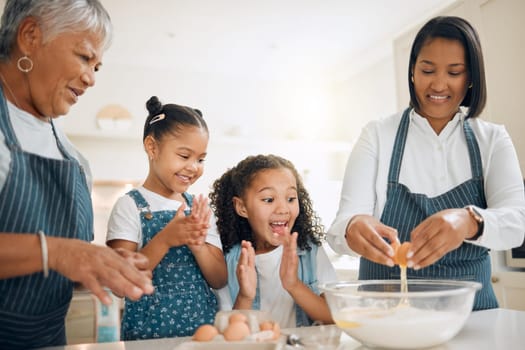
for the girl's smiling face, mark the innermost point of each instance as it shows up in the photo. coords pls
(440, 80)
(177, 161)
(271, 206)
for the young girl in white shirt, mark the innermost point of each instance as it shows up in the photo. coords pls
(272, 241)
(172, 228)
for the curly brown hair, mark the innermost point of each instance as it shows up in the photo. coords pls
(234, 228)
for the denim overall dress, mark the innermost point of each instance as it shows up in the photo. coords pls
(307, 272)
(182, 300)
(45, 194)
(404, 210)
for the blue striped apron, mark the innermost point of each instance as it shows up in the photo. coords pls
(182, 300)
(404, 210)
(39, 194)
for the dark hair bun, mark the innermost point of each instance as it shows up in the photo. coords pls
(153, 105)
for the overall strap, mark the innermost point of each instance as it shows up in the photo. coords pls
(189, 201)
(188, 198)
(399, 148)
(140, 201)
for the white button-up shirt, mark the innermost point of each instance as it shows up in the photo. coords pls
(432, 165)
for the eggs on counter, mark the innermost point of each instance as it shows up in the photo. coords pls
(206, 332)
(235, 326)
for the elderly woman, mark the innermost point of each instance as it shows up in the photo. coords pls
(49, 53)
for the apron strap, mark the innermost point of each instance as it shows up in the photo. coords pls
(5, 124)
(476, 164)
(399, 148)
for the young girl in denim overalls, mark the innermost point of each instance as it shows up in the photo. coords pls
(172, 228)
(272, 239)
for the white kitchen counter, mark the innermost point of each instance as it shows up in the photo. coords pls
(484, 330)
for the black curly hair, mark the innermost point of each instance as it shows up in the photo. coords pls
(234, 228)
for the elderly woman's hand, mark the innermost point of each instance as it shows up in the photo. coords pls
(97, 267)
(140, 261)
(365, 235)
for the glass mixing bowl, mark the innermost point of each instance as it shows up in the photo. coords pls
(377, 314)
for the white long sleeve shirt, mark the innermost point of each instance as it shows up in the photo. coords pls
(434, 164)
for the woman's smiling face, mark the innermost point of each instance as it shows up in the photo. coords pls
(271, 206)
(440, 80)
(63, 69)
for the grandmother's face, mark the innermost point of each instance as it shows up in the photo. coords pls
(63, 69)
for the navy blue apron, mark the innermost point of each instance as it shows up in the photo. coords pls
(182, 300)
(39, 194)
(404, 210)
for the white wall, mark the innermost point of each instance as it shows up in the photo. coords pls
(292, 118)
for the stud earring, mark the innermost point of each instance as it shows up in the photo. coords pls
(412, 79)
(470, 86)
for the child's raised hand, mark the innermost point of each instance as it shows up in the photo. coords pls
(246, 274)
(289, 263)
(191, 229)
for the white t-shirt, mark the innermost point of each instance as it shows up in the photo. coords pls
(274, 298)
(124, 222)
(434, 164)
(36, 136)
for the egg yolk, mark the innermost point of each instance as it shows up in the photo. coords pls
(400, 252)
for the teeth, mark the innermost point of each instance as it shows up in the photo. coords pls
(438, 97)
(280, 223)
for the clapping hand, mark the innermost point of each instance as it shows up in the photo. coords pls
(247, 276)
(189, 230)
(289, 263)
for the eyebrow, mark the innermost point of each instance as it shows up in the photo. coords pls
(184, 148)
(273, 188)
(450, 65)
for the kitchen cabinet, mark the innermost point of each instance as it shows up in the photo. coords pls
(509, 287)
(80, 319)
(87, 324)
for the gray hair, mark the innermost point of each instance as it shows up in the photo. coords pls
(55, 17)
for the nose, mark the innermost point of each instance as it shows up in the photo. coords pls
(193, 165)
(283, 206)
(88, 77)
(439, 83)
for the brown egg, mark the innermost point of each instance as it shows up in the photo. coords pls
(206, 332)
(236, 331)
(276, 331)
(271, 326)
(400, 256)
(237, 317)
(266, 326)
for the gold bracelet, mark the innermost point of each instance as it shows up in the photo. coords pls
(43, 246)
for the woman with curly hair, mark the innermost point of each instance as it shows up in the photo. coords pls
(270, 231)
